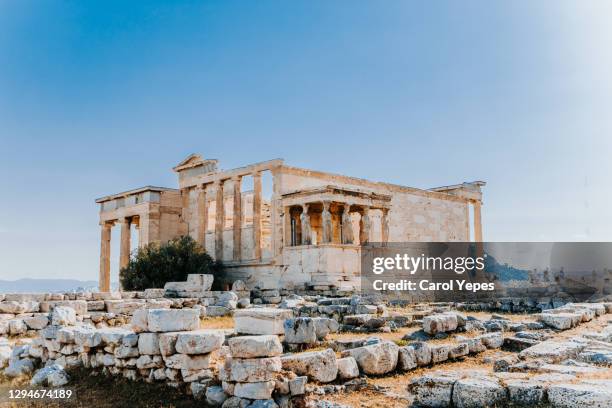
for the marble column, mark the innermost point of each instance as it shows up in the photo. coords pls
(477, 222)
(384, 221)
(185, 216)
(104, 276)
(305, 221)
(347, 225)
(202, 215)
(257, 215)
(237, 218)
(219, 220)
(124, 248)
(364, 230)
(326, 222)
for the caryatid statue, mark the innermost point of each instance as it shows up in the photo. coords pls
(347, 225)
(305, 220)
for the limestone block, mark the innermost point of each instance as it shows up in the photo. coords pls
(147, 362)
(130, 340)
(79, 306)
(407, 359)
(255, 346)
(458, 351)
(492, 340)
(148, 343)
(36, 322)
(347, 368)
(17, 326)
(439, 323)
(196, 375)
(254, 369)
(559, 321)
(112, 335)
(87, 337)
(18, 368)
(167, 343)
(215, 396)
(318, 365)
(324, 326)
(198, 390)
(261, 320)
(25, 297)
(4, 327)
(63, 316)
(15, 307)
(422, 352)
(525, 393)
(199, 341)
(439, 353)
(379, 358)
(139, 320)
(478, 392)
(588, 393)
(256, 391)
(475, 345)
(168, 320)
(297, 385)
(96, 306)
(64, 334)
(433, 389)
(123, 306)
(124, 351)
(553, 350)
(187, 362)
(300, 330)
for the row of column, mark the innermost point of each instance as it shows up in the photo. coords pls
(346, 223)
(105, 246)
(202, 215)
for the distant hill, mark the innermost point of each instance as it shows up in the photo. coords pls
(45, 285)
(504, 272)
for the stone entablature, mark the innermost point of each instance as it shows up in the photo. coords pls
(250, 231)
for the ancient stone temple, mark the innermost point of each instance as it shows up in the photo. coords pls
(274, 225)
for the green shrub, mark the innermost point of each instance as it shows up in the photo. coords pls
(153, 265)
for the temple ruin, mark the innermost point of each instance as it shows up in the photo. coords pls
(302, 229)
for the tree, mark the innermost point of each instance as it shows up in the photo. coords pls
(153, 265)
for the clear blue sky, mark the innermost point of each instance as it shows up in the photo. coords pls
(100, 97)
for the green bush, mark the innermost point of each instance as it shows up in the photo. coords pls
(153, 265)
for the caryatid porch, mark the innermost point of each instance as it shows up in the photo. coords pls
(324, 230)
(333, 215)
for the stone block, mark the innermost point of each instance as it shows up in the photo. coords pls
(255, 346)
(439, 353)
(63, 316)
(347, 368)
(422, 352)
(169, 320)
(439, 323)
(254, 369)
(588, 393)
(126, 307)
(261, 320)
(560, 321)
(187, 362)
(300, 330)
(318, 365)
(199, 341)
(256, 391)
(553, 350)
(407, 359)
(379, 358)
(433, 389)
(478, 392)
(492, 340)
(148, 343)
(15, 307)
